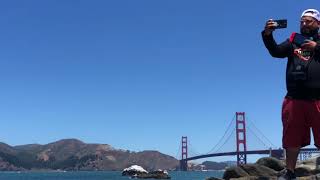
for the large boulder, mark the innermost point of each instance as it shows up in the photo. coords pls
(234, 172)
(271, 163)
(317, 162)
(270, 168)
(256, 178)
(315, 171)
(159, 174)
(134, 170)
(249, 170)
(303, 171)
(213, 178)
(311, 163)
(259, 170)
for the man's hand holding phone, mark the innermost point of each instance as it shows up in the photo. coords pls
(271, 25)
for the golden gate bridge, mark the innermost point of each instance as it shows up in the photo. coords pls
(241, 147)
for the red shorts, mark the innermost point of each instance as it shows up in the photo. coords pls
(298, 116)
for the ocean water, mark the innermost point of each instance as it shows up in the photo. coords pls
(100, 175)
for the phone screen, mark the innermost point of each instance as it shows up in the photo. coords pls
(299, 39)
(281, 23)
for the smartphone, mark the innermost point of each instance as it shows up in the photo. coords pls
(299, 39)
(281, 23)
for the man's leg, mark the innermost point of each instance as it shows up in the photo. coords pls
(291, 158)
(296, 130)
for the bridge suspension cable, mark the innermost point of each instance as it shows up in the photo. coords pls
(257, 137)
(192, 151)
(178, 155)
(234, 130)
(225, 133)
(271, 144)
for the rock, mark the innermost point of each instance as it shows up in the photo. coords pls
(315, 171)
(134, 170)
(303, 171)
(249, 170)
(309, 163)
(259, 170)
(272, 163)
(317, 162)
(270, 168)
(312, 163)
(313, 177)
(255, 178)
(159, 174)
(234, 172)
(213, 178)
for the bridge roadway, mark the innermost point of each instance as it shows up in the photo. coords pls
(274, 152)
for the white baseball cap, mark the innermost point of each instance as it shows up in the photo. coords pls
(311, 13)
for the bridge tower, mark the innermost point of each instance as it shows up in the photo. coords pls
(184, 154)
(241, 138)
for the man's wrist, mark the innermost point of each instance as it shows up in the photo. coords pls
(267, 33)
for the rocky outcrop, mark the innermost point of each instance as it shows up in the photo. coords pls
(213, 178)
(271, 163)
(234, 172)
(312, 163)
(270, 168)
(303, 171)
(159, 174)
(136, 171)
(247, 170)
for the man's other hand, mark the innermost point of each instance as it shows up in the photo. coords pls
(309, 45)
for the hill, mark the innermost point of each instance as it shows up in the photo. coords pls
(75, 155)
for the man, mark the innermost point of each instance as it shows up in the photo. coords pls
(301, 106)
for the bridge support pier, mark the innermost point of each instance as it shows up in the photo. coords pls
(184, 154)
(241, 138)
(183, 165)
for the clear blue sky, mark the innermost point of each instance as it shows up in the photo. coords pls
(139, 74)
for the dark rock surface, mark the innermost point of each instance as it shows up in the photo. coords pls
(258, 170)
(270, 169)
(213, 178)
(234, 172)
(272, 163)
(247, 170)
(155, 175)
(303, 171)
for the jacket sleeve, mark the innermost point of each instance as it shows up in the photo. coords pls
(276, 50)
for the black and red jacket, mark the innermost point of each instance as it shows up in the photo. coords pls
(308, 89)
